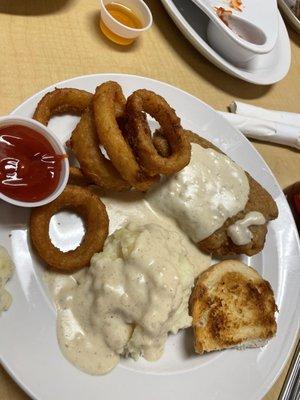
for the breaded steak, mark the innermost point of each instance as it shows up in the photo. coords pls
(219, 243)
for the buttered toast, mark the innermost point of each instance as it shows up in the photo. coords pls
(232, 306)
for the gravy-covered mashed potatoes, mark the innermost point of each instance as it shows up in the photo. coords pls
(134, 293)
(6, 271)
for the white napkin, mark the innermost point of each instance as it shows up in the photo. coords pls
(262, 129)
(247, 110)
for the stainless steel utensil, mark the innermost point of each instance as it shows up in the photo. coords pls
(291, 386)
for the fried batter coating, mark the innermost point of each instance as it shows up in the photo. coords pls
(139, 135)
(98, 169)
(86, 204)
(219, 243)
(76, 177)
(60, 101)
(108, 105)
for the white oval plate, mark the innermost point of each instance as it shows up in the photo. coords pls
(28, 344)
(268, 68)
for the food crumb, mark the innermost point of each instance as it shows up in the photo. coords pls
(223, 14)
(236, 5)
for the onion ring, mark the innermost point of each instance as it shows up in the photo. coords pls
(162, 146)
(85, 145)
(93, 212)
(60, 101)
(109, 104)
(76, 177)
(144, 101)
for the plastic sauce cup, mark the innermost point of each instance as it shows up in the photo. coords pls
(118, 32)
(57, 146)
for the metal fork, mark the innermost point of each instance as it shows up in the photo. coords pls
(291, 386)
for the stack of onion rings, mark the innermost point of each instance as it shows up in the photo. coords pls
(83, 202)
(121, 128)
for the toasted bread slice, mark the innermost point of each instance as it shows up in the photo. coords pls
(232, 306)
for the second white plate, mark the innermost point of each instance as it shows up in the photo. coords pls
(269, 68)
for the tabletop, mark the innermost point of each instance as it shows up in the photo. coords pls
(43, 42)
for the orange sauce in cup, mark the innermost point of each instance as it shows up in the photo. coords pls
(125, 16)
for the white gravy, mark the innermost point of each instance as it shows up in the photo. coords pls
(6, 271)
(240, 233)
(204, 194)
(97, 306)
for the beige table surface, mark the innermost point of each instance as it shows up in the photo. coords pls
(46, 41)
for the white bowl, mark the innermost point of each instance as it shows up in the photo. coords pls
(237, 50)
(139, 7)
(254, 16)
(59, 149)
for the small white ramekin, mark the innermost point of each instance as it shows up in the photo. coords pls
(57, 146)
(233, 48)
(139, 7)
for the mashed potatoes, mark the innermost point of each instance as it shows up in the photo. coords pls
(6, 270)
(134, 293)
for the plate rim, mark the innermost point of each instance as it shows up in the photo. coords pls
(116, 75)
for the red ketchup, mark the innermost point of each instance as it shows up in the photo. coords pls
(29, 166)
